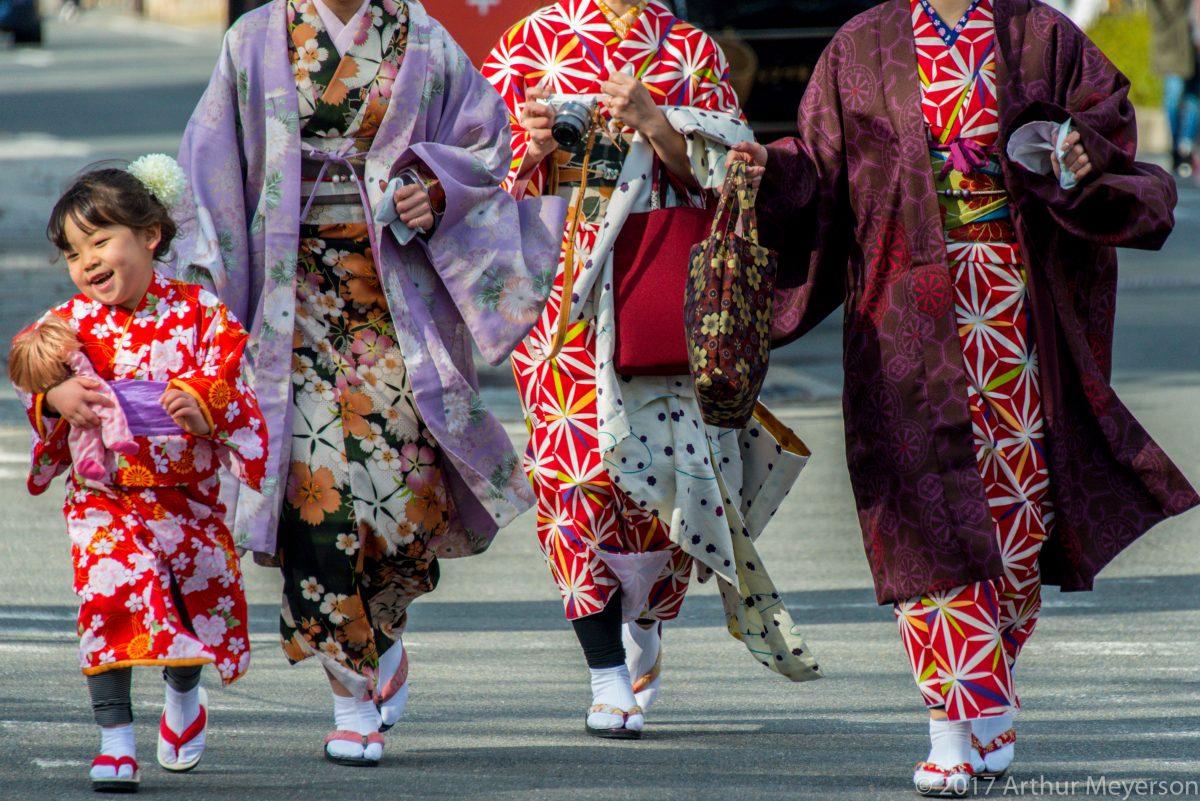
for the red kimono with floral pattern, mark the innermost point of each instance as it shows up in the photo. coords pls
(155, 566)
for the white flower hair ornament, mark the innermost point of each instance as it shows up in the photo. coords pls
(162, 176)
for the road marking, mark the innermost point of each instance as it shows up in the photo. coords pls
(51, 764)
(159, 30)
(33, 58)
(42, 145)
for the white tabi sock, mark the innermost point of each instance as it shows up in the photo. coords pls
(986, 730)
(116, 741)
(950, 742)
(346, 718)
(392, 709)
(181, 709)
(641, 652)
(950, 747)
(368, 723)
(611, 687)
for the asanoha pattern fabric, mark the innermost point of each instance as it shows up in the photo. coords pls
(962, 643)
(159, 521)
(874, 242)
(632, 487)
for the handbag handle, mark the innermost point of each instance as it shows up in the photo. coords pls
(736, 185)
(565, 308)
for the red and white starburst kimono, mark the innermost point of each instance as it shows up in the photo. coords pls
(587, 526)
(154, 533)
(963, 642)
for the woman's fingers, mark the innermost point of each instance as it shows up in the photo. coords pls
(409, 198)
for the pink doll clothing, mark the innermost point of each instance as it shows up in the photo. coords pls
(89, 446)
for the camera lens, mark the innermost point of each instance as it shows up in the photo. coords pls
(570, 124)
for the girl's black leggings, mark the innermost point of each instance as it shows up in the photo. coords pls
(110, 691)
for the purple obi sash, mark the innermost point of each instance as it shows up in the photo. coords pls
(139, 401)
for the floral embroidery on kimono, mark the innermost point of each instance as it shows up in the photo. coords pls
(158, 520)
(475, 280)
(366, 498)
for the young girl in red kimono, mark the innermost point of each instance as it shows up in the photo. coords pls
(965, 168)
(155, 567)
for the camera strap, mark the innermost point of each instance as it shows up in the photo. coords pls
(565, 309)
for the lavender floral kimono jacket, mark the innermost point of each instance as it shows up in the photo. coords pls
(851, 204)
(242, 153)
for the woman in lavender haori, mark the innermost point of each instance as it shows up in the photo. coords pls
(324, 118)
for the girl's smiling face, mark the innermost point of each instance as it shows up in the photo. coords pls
(111, 264)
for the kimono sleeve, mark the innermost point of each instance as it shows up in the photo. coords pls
(213, 249)
(220, 387)
(501, 71)
(803, 208)
(50, 455)
(495, 256)
(1124, 202)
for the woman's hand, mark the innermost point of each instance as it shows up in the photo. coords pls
(754, 155)
(629, 104)
(537, 119)
(72, 400)
(185, 411)
(1074, 158)
(414, 207)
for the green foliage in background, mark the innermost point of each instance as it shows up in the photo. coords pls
(1125, 39)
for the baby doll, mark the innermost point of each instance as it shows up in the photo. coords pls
(45, 355)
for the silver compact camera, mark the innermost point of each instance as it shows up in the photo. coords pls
(573, 116)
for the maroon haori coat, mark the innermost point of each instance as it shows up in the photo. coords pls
(850, 204)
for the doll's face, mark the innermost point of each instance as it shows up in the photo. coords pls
(113, 264)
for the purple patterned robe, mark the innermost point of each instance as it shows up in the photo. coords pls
(851, 205)
(482, 276)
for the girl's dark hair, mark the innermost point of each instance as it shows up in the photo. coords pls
(109, 196)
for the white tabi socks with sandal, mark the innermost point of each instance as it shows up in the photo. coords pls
(614, 713)
(116, 768)
(182, 730)
(355, 740)
(993, 742)
(947, 771)
(643, 657)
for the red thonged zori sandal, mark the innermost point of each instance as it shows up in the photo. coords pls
(115, 783)
(986, 762)
(171, 743)
(934, 780)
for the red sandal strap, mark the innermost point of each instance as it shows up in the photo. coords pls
(109, 761)
(1006, 738)
(384, 694)
(344, 735)
(930, 767)
(616, 711)
(375, 738)
(189, 734)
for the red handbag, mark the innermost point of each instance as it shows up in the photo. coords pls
(651, 259)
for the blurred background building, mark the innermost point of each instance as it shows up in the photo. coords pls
(772, 44)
